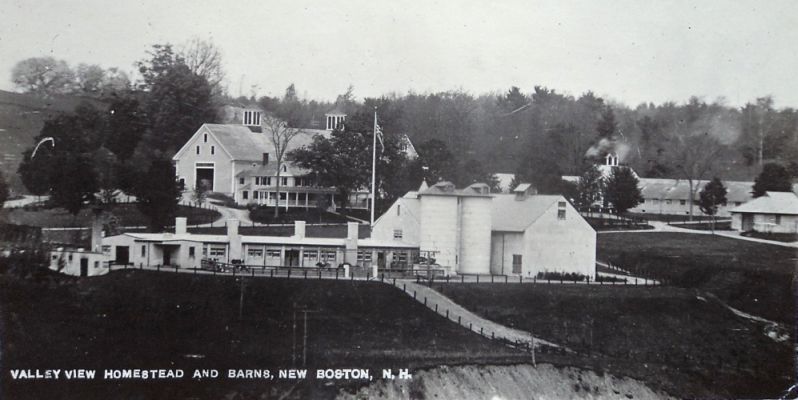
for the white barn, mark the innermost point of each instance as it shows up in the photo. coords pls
(471, 231)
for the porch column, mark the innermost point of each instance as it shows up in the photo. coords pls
(306, 200)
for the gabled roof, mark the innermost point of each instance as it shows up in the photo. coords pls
(242, 144)
(510, 214)
(771, 203)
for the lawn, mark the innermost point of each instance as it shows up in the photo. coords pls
(665, 336)
(265, 215)
(127, 214)
(137, 319)
(753, 277)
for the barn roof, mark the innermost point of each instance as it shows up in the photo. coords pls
(679, 189)
(771, 203)
(511, 214)
(245, 145)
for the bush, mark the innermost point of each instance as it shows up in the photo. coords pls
(562, 276)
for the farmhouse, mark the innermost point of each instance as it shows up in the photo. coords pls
(471, 231)
(237, 159)
(775, 212)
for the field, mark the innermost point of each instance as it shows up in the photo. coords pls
(752, 277)
(158, 320)
(127, 214)
(664, 336)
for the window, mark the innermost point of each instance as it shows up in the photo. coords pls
(327, 255)
(363, 256)
(778, 219)
(205, 138)
(285, 168)
(198, 151)
(668, 201)
(516, 263)
(682, 202)
(310, 254)
(255, 253)
(213, 150)
(398, 209)
(560, 214)
(282, 196)
(254, 194)
(245, 194)
(561, 204)
(191, 251)
(240, 181)
(106, 249)
(397, 233)
(284, 182)
(400, 257)
(737, 203)
(143, 250)
(70, 256)
(217, 251)
(268, 181)
(273, 253)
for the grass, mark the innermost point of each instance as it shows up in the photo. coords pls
(706, 226)
(664, 336)
(753, 277)
(265, 215)
(137, 319)
(781, 237)
(127, 214)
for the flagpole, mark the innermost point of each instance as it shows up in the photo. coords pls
(374, 166)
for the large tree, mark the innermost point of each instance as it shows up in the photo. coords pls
(281, 135)
(711, 196)
(774, 178)
(74, 182)
(158, 194)
(590, 187)
(43, 76)
(3, 189)
(693, 157)
(622, 189)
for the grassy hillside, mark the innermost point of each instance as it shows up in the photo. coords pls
(21, 118)
(664, 336)
(160, 320)
(753, 277)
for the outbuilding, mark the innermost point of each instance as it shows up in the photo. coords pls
(774, 212)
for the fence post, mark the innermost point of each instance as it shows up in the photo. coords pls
(319, 273)
(253, 272)
(447, 313)
(336, 274)
(462, 278)
(394, 281)
(271, 273)
(458, 320)
(436, 308)
(506, 277)
(480, 331)
(306, 273)
(414, 294)
(477, 278)
(491, 278)
(425, 300)
(175, 268)
(289, 273)
(404, 287)
(493, 335)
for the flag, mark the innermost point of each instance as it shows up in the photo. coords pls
(378, 132)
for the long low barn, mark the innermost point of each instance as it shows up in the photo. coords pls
(187, 250)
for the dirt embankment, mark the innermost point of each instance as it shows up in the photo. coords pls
(506, 382)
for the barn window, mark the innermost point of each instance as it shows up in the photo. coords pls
(398, 209)
(143, 250)
(778, 219)
(255, 253)
(285, 182)
(191, 251)
(245, 194)
(213, 150)
(254, 194)
(198, 150)
(682, 202)
(516, 263)
(668, 201)
(205, 138)
(397, 233)
(561, 210)
(240, 181)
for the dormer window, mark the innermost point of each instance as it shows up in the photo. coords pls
(252, 117)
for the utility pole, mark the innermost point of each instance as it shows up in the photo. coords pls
(241, 301)
(305, 338)
(293, 341)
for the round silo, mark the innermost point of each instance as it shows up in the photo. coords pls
(475, 223)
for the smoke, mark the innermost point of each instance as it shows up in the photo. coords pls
(609, 146)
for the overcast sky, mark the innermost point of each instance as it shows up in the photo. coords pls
(627, 51)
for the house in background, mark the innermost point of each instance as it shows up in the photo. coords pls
(774, 212)
(473, 231)
(237, 159)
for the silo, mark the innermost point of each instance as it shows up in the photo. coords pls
(439, 224)
(475, 234)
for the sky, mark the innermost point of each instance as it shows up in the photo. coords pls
(626, 51)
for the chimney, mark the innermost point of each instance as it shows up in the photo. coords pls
(180, 225)
(234, 239)
(299, 229)
(96, 232)
(265, 159)
(350, 255)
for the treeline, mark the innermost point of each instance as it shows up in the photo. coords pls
(543, 134)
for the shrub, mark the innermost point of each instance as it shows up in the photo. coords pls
(563, 276)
